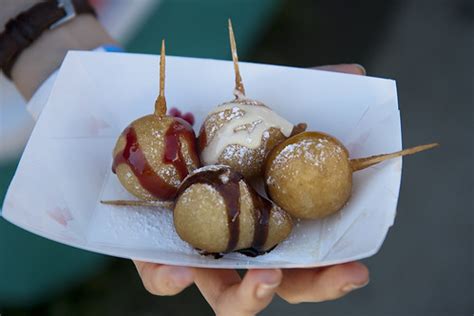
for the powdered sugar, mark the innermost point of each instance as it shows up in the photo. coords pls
(239, 123)
(185, 196)
(278, 215)
(209, 168)
(312, 151)
(224, 177)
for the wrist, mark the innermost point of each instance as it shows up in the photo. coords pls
(44, 55)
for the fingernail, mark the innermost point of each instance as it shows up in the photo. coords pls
(353, 286)
(361, 68)
(270, 282)
(181, 276)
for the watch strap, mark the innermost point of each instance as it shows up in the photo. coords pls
(22, 31)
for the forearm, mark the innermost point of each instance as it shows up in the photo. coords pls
(45, 55)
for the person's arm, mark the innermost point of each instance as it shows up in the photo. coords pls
(45, 55)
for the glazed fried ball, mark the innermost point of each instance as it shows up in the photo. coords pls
(155, 152)
(241, 133)
(153, 155)
(310, 175)
(218, 212)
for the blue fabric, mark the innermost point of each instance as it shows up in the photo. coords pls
(112, 48)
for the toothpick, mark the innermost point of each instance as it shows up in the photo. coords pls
(160, 103)
(162, 204)
(362, 163)
(239, 91)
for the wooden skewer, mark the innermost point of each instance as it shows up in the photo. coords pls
(160, 103)
(362, 163)
(162, 204)
(239, 86)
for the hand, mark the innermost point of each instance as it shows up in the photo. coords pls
(228, 294)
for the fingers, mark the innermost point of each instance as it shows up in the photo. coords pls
(163, 279)
(322, 284)
(354, 69)
(213, 282)
(227, 295)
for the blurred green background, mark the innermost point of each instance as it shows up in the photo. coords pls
(425, 266)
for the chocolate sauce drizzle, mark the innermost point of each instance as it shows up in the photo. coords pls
(262, 209)
(134, 157)
(230, 191)
(173, 153)
(252, 252)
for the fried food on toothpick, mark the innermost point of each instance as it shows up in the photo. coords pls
(240, 133)
(310, 175)
(218, 211)
(155, 152)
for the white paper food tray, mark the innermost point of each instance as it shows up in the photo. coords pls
(66, 167)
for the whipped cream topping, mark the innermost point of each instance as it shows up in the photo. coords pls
(246, 130)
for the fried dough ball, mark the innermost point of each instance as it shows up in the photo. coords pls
(218, 212)
(153, 155)
(310, 174)
(240, 134)
(155, 152)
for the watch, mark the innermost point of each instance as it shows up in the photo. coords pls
(21, 31)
